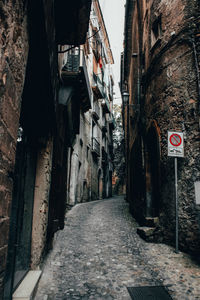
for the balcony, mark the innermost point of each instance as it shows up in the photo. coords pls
(96, 111)
(75, 74)
(112, 122)
(95, 147)
(104, 155)
(72, 21)
(106, 104)
(97, 87)
(104, 125)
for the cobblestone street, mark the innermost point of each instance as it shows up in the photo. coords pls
(99, 254)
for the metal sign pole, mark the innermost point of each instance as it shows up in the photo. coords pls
(176, 149)
(176, 195)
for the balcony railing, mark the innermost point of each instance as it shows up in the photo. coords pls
(97, 86)
(95, 147)
(74, 73)
(96, 111)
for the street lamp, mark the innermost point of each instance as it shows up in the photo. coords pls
(125, 97)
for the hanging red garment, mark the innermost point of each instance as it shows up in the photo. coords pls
(100, 62)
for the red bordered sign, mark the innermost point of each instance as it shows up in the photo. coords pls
(175, 140)
(175, 144)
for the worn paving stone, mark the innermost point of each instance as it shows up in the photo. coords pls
(99, 254)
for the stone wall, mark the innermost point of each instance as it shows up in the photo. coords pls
(169, 100)
(13, 57)
(17, 33)
(41, 203)
(172, 101)
(29, 84)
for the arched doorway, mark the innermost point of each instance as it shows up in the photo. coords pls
(152, 170)
(136, 180)
(85, 197)
(99, 185)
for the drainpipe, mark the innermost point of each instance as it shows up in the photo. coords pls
(125, 98)
(128, 155)
(138, 86)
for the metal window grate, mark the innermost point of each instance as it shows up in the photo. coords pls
(149, 292)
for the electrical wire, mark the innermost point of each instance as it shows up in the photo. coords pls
(66, 50)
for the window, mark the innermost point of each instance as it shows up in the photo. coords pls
(97, 46)
(156, 31)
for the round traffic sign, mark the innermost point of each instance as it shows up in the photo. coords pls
(175, 140)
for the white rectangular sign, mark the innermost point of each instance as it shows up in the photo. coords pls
(197, 192)
(175, 144)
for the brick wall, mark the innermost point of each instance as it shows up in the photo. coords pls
(169, 100)
(172, 101)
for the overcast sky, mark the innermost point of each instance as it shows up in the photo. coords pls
(113, 12)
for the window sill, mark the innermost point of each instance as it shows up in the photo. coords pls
(157, 44)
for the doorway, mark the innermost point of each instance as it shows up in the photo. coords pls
(152, 173)
(19, 247)
(36, 121)
(99, 184)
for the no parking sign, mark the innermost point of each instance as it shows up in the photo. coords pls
(175, 144)
(176, 149)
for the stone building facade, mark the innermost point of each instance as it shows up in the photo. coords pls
(160, 71)
(39, 120)
(91, 156)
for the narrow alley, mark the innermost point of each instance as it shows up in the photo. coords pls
(99, 98)
(98, 255)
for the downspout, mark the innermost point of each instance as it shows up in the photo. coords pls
(139, 54)
(138, 86)
(124, 87)
(128, 154)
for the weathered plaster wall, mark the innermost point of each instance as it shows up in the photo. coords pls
(80, 175)
(73, 176)
(41, 202)
(95, 180)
